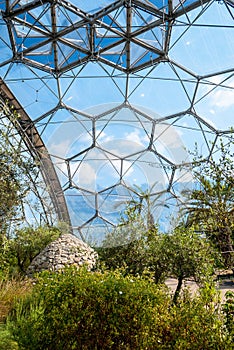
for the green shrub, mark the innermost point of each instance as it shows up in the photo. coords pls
(27, 243)
(228, 309)
(75, 310)
(197, 323)
(81, 310)
(6, 340)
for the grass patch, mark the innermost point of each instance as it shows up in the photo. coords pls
(10, 291)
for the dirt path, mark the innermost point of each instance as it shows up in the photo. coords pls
(222, 286)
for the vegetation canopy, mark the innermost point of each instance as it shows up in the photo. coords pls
(16, 169)
(210, 205)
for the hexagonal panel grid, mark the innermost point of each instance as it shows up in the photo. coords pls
(120, 92)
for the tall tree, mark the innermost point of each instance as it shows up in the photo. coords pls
(14, 167)
(210, 205)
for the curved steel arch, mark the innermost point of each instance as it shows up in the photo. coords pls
(37, 149)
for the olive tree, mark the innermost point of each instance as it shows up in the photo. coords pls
(210, 205)
(15, 166)
(181, 254)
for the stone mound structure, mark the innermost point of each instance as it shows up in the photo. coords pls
(66, 250)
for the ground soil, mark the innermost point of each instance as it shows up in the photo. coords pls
(223, 285)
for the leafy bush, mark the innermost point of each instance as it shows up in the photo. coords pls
(5, 257)
(75, 310)
(18, 250)
(228, 309)
(81, 310)
(6, 340)
(197, 323)
(28, 242)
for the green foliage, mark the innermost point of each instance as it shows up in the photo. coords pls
(14, 167)
(181, 254)
(134, 248)
(6, 340)
(81, 310)
(5, 257)
(210, 206)
(18, 251)
(188, 256)
(125, 247)
(197, 323)
(84, 310)
(28, 242)
(228, 309)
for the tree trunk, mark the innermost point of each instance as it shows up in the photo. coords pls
(226, 246)
(178, 289)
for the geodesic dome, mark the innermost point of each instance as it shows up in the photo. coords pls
(113, 96)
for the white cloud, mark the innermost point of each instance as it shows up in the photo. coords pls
(223, 98)
(86, 137)
(59, 149)
(103, 137)
(135, 137)
(216, 79)
(127, 168)
(85, 175)
(123, 148)
(169, 137)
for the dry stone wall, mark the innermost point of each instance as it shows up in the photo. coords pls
(66, 250)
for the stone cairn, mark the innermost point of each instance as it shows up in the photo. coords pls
(66, 250)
